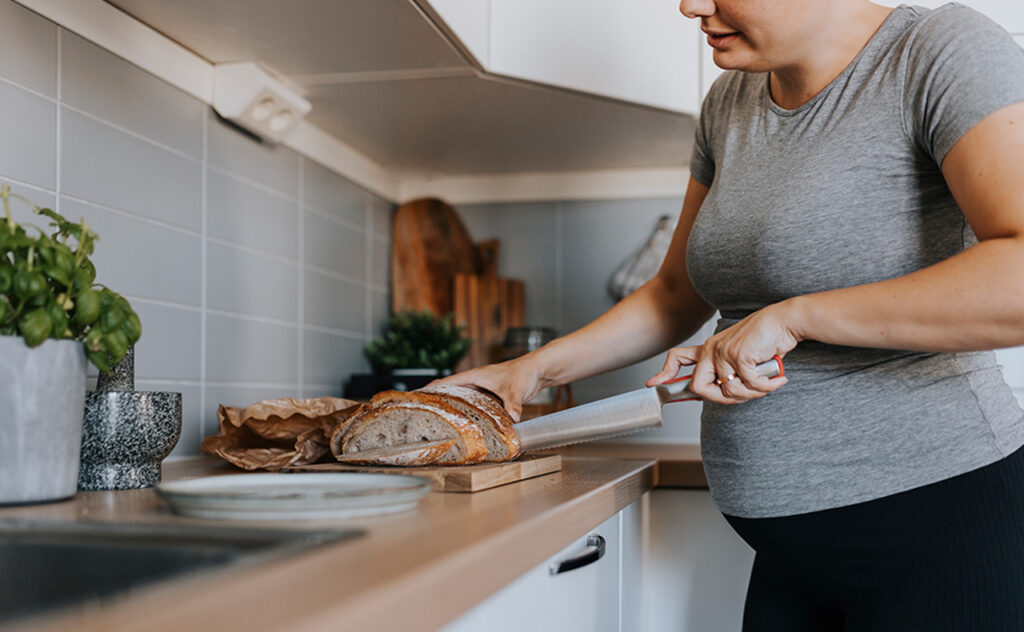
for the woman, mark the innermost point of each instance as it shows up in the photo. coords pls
(856, 205)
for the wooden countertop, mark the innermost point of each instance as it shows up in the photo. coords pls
(679, 465)
(410, 571)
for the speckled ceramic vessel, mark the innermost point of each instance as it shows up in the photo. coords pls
(126, 433)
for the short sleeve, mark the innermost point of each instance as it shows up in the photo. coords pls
(960, 67)
(702, 164)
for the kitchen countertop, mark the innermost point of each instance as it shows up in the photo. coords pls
(409, 571)
(678, 465)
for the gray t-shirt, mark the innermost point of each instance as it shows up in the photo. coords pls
(841, 191)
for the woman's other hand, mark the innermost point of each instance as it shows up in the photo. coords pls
(725, 365)
(514, 381)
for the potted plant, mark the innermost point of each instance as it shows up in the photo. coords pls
(53, 318)
(416, 348)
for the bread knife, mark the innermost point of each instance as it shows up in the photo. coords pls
(622, 414)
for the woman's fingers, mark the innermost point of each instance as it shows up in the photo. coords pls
(674, 360)
(495, 379)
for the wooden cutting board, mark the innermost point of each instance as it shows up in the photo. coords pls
(430, 245)
(457, 478)
(487, 305)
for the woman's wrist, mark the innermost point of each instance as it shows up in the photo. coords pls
(537, 364)
(796, 315)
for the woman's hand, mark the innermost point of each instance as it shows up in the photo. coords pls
(514, 381)
(725, 364)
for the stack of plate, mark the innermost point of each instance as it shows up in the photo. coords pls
(320, 496)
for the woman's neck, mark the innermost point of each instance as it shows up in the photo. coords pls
(823, 60)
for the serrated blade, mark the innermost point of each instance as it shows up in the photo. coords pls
(623, 414)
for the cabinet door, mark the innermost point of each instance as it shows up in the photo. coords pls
(585, 599)
(642, 51)
(697, 567)
(470, 21)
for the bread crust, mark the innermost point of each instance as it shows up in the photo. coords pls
(492, 409)
(467, 432)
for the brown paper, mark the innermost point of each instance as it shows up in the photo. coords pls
(278, 433)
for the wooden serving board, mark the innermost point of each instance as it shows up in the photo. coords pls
(487, 305)
(430, 245)
(457, 478)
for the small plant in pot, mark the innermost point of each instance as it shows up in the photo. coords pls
(54, 318)
(416, 348)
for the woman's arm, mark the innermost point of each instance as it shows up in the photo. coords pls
(659, 314)
(971, 301)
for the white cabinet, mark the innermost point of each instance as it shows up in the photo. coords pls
(602, 596)
(696, 569)
(641, 51)
(470, 21)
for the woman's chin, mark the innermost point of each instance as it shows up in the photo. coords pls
(735, 60)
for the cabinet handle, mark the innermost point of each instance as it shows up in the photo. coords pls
(593, 552)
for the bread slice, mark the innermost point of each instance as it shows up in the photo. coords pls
(420, 453)
(487, 412)
(383, 425)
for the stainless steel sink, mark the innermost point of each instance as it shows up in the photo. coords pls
(46, 565)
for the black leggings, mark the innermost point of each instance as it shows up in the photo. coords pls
(945, 557)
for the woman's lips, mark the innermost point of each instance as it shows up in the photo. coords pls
(721, 41)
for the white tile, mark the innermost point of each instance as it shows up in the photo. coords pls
(273, 166)
(335, 194)
(334, 247)
(22, 213)
(528, 239)
(331, 359)
(381, 268)
(28, 127)
(140, 258)
(28, 48)
(380, 309)
(239, 350)
(105, 165)
(380, 215)
(333, 303)
(240, 396)
(597, 236)
(169, 347)
(541, 309)
(247, 283)
(108, 87)
(580, 308)
(243, 214)
(191, 419)
(615, 382)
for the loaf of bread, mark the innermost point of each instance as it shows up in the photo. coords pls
(409, 428)
(419, 453)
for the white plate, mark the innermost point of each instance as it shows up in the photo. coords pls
(313, 496)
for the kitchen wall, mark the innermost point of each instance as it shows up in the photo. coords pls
(256, 272)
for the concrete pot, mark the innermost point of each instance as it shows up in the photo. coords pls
(42, 394)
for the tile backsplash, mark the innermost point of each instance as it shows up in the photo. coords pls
(256, 272)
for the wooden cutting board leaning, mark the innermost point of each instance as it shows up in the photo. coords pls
(430, 245)
(457, 478)
(488, 306)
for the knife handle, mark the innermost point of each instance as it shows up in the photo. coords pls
(682, 393)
